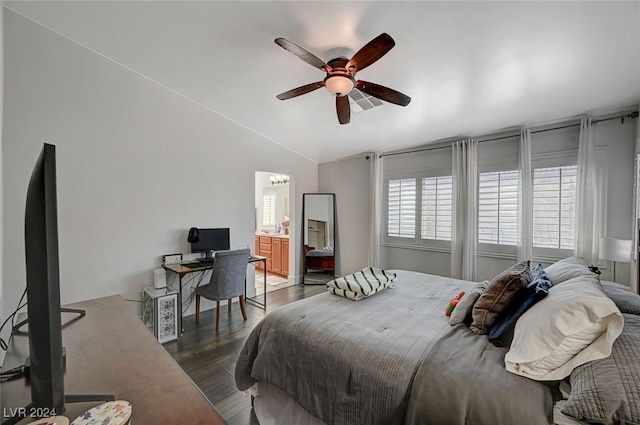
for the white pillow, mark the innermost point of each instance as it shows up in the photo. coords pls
(568, 268)
(574, 324)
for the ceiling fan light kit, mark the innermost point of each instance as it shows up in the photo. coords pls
(340, 78)
(339, 85)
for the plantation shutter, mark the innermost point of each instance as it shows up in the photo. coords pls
(436, 207)
(554, 194)
(269, 210)
(498, 208)
(401, 214)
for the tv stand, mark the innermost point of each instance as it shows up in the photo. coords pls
(79, 312)
(111, 349)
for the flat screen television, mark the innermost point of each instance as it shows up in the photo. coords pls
(46, 355)
(210, 240)
(46, 372)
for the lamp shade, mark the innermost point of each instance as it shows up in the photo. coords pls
(339, 85)
(615, 249)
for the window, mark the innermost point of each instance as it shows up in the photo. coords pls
(498, 208)
(436, 207)
(419, 210)
(554, 196)
(268, 210)
(401, 213)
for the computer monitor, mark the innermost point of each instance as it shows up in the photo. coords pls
(210, 240)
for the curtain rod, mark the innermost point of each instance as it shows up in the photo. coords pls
(633, 114)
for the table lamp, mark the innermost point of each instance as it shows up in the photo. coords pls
(615, 250)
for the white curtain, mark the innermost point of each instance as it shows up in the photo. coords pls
(525, 199)
(587, 236)
(375, 209)
(464, 220)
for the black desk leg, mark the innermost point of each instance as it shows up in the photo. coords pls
(264, 294)
(180, 304)
(263, 304)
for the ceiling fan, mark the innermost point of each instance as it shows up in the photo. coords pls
(340, 79)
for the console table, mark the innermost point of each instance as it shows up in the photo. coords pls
(111, 351)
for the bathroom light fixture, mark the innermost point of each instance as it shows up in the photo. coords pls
(279, 179)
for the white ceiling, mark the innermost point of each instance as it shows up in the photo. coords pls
(469, 67)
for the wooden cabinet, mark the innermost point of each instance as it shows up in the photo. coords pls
(276, 255)
(257, 252)
(285, 257)
(265, 250)
(277, 252)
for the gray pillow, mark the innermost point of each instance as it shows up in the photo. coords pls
(606, 391)
(466, 303)
(627, 301)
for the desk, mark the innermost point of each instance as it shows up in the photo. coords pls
(181, 270)
(111, 351)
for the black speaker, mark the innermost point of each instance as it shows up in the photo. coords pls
(194, 235)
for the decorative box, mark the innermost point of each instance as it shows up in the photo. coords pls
(160, 312)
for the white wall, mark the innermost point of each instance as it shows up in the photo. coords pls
(349, 180)
(138, 165)
(619, 138)
(352, 179)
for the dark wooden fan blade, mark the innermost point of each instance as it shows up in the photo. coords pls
(371, 52)
(383, 93)
(303, 54)
(300, 90)
(344, 109)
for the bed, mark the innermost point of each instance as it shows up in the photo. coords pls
(392, 358)
(319, 259)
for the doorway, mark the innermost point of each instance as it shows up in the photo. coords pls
(272, 206)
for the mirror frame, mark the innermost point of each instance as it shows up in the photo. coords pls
(304, 230)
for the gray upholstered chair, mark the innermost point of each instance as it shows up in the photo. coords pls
(227, 281)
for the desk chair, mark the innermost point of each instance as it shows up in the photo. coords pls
(227, 281)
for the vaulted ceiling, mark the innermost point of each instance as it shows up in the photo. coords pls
(469, 67)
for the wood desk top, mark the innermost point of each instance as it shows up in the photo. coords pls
(111, 351)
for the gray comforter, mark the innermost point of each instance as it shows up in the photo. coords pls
(392, 358)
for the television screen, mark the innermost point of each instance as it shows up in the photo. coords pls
(43, 285)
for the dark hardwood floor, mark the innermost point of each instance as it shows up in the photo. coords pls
(209, 357)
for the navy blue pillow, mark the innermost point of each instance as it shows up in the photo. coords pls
(501, 332)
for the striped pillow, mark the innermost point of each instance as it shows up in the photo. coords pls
(361, 284)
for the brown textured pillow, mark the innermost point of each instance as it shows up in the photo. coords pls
(498, 295)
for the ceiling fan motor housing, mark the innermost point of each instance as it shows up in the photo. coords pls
(339, 81)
